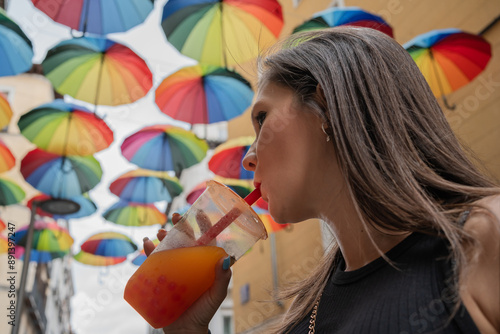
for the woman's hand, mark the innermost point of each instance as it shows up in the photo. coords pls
(198, 315)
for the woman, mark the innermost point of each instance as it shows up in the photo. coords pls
(349, 132)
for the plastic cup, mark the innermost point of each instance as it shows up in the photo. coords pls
(182, 266)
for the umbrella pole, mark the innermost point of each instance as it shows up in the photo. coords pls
(441, 90)
(24, 273)
(169, 205)
(274, 265)
(223, 41)
(167, 211)
(98, 86)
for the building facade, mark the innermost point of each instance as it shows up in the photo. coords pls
(49, 287)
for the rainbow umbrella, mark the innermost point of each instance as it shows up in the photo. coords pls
(242, 188)
(164, 148)
(222, 32)
(39, 256)
(98, 260)
(345, 16)
(47, 237)
(5, 111)
(100, 17)
(109, 244)
(2, 225)
(60, 176)
(4, 245)
(7, 160)
(269, 223)
(98, 71)
(16, 50)
(204, 94)
(146, 186)
(134, 214)
(227, 159)
(65, 129)
(10, 192)
(262, 204)
(141, 257)
(87, 206)
(449, 58)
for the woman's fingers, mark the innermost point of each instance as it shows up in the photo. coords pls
(203, 221)
(149, 246)
(176, 217)
(162, 233)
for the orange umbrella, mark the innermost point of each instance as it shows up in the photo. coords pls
(5, 111)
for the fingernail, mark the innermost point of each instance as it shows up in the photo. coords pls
(227, 263)
(145, 239)
(162, 230)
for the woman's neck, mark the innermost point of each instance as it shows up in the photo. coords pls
(359, 242)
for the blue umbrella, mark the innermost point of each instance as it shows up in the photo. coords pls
(146, 186)
(345, 16)
(100, 17)
(16, 50)
(204, 94)
(87, 207)
(60, 176)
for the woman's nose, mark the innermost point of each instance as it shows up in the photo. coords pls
(250, 159)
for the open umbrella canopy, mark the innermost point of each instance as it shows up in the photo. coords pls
(60, 176)
(97, 70)
(10, 192)
(87, 206)
(345, 16)
(100, 17)
(7, 159)
(47, 237)
(449, 58)
(242, 188)
(4, 245)
(222, 32)
(65, 129)
(134, 214)
(164, 148)
(109, 244)
(98, 260)
(39, 256)
(146, 186)
(204, 94)
(5, 111)
(16, 50)
(228, 157)
(269, 223)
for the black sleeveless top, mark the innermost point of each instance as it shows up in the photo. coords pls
(414, 298)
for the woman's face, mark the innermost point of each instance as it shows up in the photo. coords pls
(292, 160)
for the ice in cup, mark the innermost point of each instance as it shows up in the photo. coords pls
(219, 224)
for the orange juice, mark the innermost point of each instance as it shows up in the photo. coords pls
(169, 281)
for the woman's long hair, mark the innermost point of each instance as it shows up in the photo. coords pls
(404, 167)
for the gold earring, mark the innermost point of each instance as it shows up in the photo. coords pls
(324, 131)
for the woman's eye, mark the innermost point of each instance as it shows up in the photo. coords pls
(261, 116)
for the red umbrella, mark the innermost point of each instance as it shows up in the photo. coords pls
(227, 159)
(7, 160)
(449, 58)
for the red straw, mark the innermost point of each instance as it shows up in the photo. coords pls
(227, 219)
(253, 196)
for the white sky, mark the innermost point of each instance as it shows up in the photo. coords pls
(98, 305)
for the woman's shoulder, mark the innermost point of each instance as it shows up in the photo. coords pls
(480, 288)
(484, 219)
